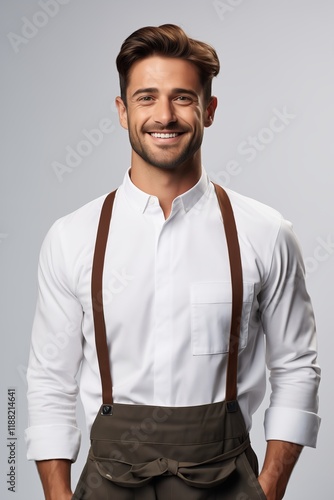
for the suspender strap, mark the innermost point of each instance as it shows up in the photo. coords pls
(97, 296)
(237, 291)
(97, 299)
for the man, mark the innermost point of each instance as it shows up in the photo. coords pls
(164, 328)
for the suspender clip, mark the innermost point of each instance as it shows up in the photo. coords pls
(106, 410)
(232, 406)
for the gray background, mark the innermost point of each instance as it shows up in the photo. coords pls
(62, 80)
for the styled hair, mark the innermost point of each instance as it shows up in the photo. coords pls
(167, 40)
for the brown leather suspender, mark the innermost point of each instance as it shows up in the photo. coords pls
(237, 291)
(97, 298)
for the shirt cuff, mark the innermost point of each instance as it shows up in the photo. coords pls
(289, 424)
(51, 442)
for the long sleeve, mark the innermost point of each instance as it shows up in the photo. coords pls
(55, 356)
(291, 347)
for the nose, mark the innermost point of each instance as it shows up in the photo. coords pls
(164, 112)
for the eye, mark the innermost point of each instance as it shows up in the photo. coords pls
(145, 98)
(184, 99)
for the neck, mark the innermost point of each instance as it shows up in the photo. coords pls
(165, 184)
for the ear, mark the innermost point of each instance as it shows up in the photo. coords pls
(122, 112)
(210, 111)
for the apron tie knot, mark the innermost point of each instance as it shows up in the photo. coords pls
(205, 474)
(172, 466)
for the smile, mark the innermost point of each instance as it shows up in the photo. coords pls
(164, 136)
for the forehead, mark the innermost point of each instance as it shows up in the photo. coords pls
(163, 73)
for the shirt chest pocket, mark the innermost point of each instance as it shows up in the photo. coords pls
(211, 306)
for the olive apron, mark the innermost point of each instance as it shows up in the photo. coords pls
(142, 452)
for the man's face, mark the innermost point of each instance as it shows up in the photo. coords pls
(165, 113)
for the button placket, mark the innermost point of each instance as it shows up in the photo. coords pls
(163, 314)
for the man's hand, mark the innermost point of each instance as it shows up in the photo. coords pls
(56, 479)
(279, 462)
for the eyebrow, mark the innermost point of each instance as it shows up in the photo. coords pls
(154, 90)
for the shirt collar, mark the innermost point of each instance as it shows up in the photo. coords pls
(141, 200)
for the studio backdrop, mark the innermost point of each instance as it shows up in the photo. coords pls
(62, 146)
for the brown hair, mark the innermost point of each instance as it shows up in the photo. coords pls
(170, 41)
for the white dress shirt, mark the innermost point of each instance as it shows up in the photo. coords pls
(167, 298)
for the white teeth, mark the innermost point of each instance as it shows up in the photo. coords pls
(164, 136)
